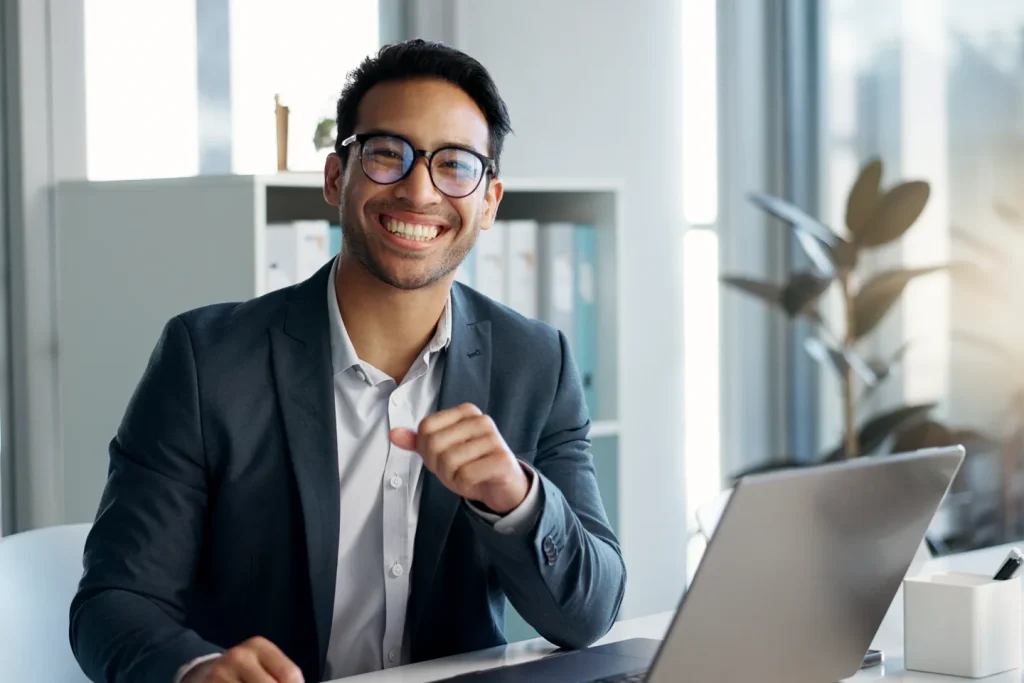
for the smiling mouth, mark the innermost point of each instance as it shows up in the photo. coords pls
(412, 231)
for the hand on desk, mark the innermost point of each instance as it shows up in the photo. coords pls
(257, 660)
(463, 448)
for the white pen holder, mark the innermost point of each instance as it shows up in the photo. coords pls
(961, 624)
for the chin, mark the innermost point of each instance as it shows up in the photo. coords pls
(404, 280)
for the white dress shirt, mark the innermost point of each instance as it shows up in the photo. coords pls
(380, 487)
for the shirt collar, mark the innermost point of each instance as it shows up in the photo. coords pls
(343, 353)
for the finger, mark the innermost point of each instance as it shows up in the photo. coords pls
(240, 664)
(459, 456)
(468, 429)
(446, 418)
(404, 438)
(212, 671)
(479, 472)
(276, 662)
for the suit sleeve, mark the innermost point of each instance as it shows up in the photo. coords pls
(127, 618)
(564, 575)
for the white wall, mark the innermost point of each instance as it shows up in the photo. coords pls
(45, 104)
(593, 88)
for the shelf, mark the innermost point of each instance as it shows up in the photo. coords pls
(210, 232)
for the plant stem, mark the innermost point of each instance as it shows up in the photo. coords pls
(852, 446)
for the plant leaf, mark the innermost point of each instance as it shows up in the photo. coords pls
(864, 197)
(988, 345)
(826, 250)
(882, 368)
(798, 297)
(879, 294)
(894, 214)
(875, 431)
(976, 280)
(1009, 214)
(765, 291)
(965, 237)
(772, 466)
(827, 354)
(796, 217)
(821, 256)
(845, 255)
(802, 292)
(933, 434)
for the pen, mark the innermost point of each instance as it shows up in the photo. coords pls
(1011, 565)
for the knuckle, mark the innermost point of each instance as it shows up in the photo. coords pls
(447, 469)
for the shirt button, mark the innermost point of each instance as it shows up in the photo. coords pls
(360, 374)
(397, 570)
(396, 482)
(392, 656)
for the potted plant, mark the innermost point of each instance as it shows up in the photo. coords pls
(875, 217)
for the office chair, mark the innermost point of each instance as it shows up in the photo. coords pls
(39, 574)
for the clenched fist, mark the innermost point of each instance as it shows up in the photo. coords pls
(257, 660)
(463, 448)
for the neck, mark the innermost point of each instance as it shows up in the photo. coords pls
(388, 326)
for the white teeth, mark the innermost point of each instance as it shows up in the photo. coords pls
(419, 233)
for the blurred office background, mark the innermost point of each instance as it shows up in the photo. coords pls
(138, 137)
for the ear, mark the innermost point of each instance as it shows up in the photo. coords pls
(333, 173)
(492, 197)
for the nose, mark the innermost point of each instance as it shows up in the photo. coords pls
(417, 188)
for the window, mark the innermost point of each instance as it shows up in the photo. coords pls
(935, 89)
(699, 258)
(302, 51)
(140, 89)
(141, 81)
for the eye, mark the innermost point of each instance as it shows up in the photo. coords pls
(458, 165)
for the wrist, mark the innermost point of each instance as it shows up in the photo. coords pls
(513, 495)
(199, 672)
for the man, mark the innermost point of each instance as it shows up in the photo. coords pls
(353, 473)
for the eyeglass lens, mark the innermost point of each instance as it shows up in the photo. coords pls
(387, 160)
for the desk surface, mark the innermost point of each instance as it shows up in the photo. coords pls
(889, 639)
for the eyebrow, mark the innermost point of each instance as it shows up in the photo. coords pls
(447, 143)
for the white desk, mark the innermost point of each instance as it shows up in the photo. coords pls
(889, 639)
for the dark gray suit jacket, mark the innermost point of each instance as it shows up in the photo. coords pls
(219, 520)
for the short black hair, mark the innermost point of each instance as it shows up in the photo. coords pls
(419, 58)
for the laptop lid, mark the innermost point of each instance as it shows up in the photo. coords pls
(802, 568)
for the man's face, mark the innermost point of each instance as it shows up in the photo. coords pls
(430, 114)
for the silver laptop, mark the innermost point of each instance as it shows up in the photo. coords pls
(795, 582)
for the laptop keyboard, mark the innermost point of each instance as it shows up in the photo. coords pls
(634, 677)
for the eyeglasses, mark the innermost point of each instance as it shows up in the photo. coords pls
(386, 159)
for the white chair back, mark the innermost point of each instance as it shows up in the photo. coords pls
(39, 574)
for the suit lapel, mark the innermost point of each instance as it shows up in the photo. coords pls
(301, 356)
(466, 379)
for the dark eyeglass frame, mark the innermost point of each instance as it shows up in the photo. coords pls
(361, 138)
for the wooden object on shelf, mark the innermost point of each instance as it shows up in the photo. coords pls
(282, 133)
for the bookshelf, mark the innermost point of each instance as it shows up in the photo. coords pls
(131, 254)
